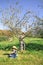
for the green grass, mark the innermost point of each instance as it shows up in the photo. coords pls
(7, 45)
(33, 55)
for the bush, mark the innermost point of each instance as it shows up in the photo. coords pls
(3, 38)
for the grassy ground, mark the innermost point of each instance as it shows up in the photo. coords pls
(33, 55)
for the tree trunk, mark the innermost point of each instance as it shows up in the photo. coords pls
(22, 45)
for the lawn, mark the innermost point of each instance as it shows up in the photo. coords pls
(33, 55)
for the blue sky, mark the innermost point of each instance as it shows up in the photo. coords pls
(35, 6)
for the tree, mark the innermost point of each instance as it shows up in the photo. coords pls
(38, 27)
(10, 19)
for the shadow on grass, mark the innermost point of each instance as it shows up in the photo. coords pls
(34, 46)
(29, 46)
(6, 54)
(8, 47)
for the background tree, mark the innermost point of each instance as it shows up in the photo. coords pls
(38, 27)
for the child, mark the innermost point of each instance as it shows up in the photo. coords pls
(14, 52)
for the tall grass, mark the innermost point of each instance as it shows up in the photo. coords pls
(33, 55)
(7, 45)
(31, 43)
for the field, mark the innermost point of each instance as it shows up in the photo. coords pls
(33, 55)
